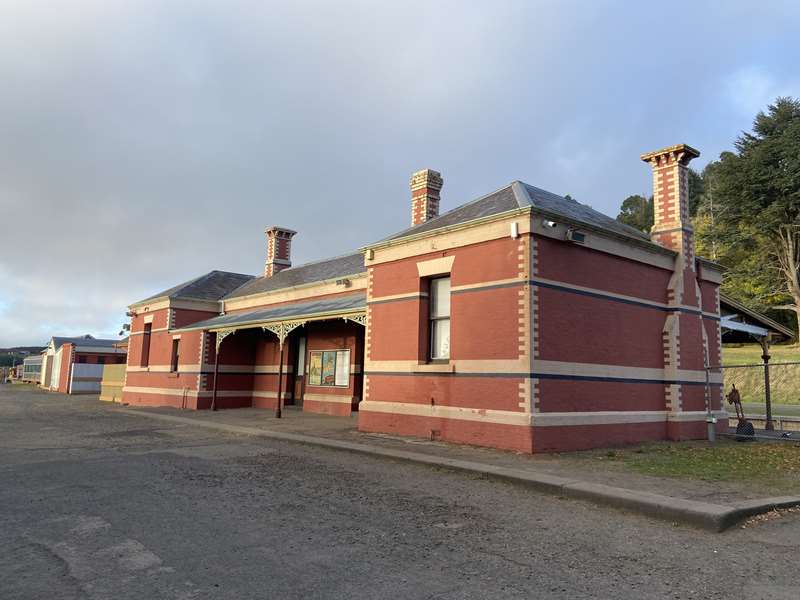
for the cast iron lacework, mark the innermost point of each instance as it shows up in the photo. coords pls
(222, 334)
(283, 329)
(360, 319)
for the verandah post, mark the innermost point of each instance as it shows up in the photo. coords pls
(768, 425)
(216, 374)
(278, 411)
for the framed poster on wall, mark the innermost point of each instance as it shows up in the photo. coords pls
(342, 368)
(315, 369)
(329, 368)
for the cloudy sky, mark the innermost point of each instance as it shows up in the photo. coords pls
(144, 143)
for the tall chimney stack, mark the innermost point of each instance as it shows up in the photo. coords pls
(279, 250)
(672, 227)
(425, 188)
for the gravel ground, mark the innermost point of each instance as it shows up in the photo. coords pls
(99, 504)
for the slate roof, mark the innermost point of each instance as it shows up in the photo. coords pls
(218, 285)
(83, 340)
(332, 268)
(579, 212)
(342, 304)
(521, 195)
(211, 286)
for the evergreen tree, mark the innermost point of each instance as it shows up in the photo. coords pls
(753, 225)
(637, 211)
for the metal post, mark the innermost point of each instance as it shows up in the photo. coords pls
(278, 412)
(710, 424)
(768, 425)
(216, 376)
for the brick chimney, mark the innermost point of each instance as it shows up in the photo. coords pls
(425, 188)
(672, 227)
(279, 250)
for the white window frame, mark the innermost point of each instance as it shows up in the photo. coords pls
(434, 318)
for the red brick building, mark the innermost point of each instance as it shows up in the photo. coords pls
(520, 320)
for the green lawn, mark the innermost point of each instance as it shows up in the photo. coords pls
(748, 354)
(771, 465)
(778, 410)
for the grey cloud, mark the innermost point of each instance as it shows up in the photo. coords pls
(148, 142)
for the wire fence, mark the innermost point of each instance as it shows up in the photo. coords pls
(770, 394)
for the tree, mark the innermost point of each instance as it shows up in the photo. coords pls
(756, 214)
(637, 211)
(696, 190)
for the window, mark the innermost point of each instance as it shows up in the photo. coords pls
(101, 360)
(81, 359)
(173, 362)
(148, 328)
(329, 368)
(440, 318)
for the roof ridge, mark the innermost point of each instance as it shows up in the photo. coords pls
(403, 232)
(521, 194)
(230, 273)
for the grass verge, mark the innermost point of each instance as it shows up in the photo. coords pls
(774, 466)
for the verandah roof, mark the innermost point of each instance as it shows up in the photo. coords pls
(350, 305)
(739, 322)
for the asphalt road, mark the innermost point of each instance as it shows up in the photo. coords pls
(98, 504)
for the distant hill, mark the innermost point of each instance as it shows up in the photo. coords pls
(22, 350)
(15, 355)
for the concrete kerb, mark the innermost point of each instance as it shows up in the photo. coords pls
(712, 517)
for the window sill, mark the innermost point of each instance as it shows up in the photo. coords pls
(434, 367)
(328, 387)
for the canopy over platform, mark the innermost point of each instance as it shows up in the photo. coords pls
(741, 324)
(352, 307)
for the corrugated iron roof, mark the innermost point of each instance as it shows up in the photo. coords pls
(733, 308)
(301, 310)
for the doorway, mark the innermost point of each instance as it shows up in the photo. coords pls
(298, 356)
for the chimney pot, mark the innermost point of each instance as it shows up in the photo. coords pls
(279, 249)
(425, 188)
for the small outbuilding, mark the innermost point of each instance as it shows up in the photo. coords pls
(74, 365)
(32, 369)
